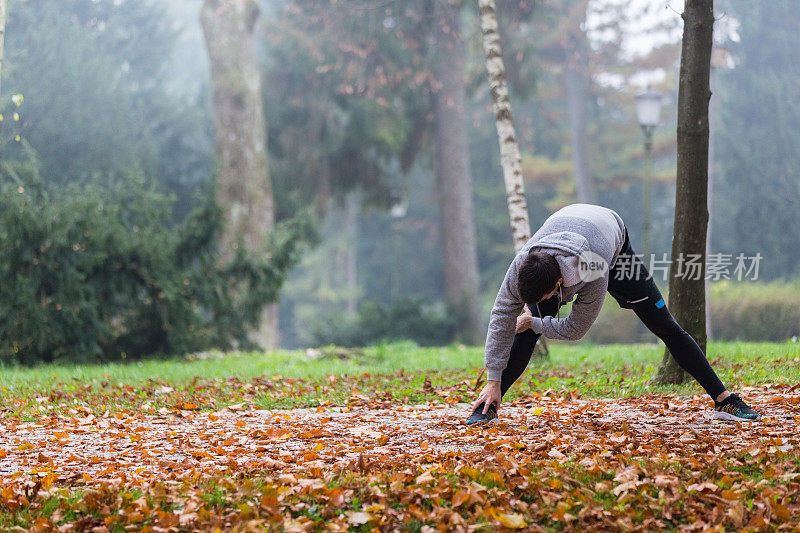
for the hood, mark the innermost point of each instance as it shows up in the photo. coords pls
(568, 246)
(569, 268)
(566, 241)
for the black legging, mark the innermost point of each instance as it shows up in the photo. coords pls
(524, 343)
(681, 345)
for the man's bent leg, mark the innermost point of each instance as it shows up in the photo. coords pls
(524, 343)
(521, 351)
(520, 356)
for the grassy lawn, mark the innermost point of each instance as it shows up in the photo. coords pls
(396, 372)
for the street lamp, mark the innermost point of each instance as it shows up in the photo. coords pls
(648, 110)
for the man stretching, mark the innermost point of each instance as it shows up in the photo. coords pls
(582, 251)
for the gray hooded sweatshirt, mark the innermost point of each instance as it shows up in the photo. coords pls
(576, 230)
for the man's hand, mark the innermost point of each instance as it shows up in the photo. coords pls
(524, 320)
(489, 395)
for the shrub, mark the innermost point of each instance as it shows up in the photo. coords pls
(755, 311)
(615, 325)
(747, 311)
(95, 272)
(405, 319)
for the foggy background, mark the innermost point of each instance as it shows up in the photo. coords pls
(114, 89)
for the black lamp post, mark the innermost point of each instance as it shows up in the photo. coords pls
(648, 110)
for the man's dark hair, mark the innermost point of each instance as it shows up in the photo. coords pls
(538, 276)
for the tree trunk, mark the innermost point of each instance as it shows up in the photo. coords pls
(244, 191)
(2, 32)
(577, 83)
(453, 173)
(510, 158)
(687, 296)
(712, 85)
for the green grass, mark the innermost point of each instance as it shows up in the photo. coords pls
(626, 369)
(392, 372)
(612, 361)
(245, 365)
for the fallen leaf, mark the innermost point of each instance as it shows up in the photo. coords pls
(460, 497)
(423, 478)
(358, 518)
(514, 521)
(700, 487)
(781, 511)
(625, 487)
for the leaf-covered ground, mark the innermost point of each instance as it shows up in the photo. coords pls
(557, 462)
(359, 440)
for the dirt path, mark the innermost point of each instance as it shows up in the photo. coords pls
(131, 448)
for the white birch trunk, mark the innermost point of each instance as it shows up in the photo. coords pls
(510, 157)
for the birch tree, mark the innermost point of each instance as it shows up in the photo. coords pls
(686, 294)
(244, 190)
(510, 158)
